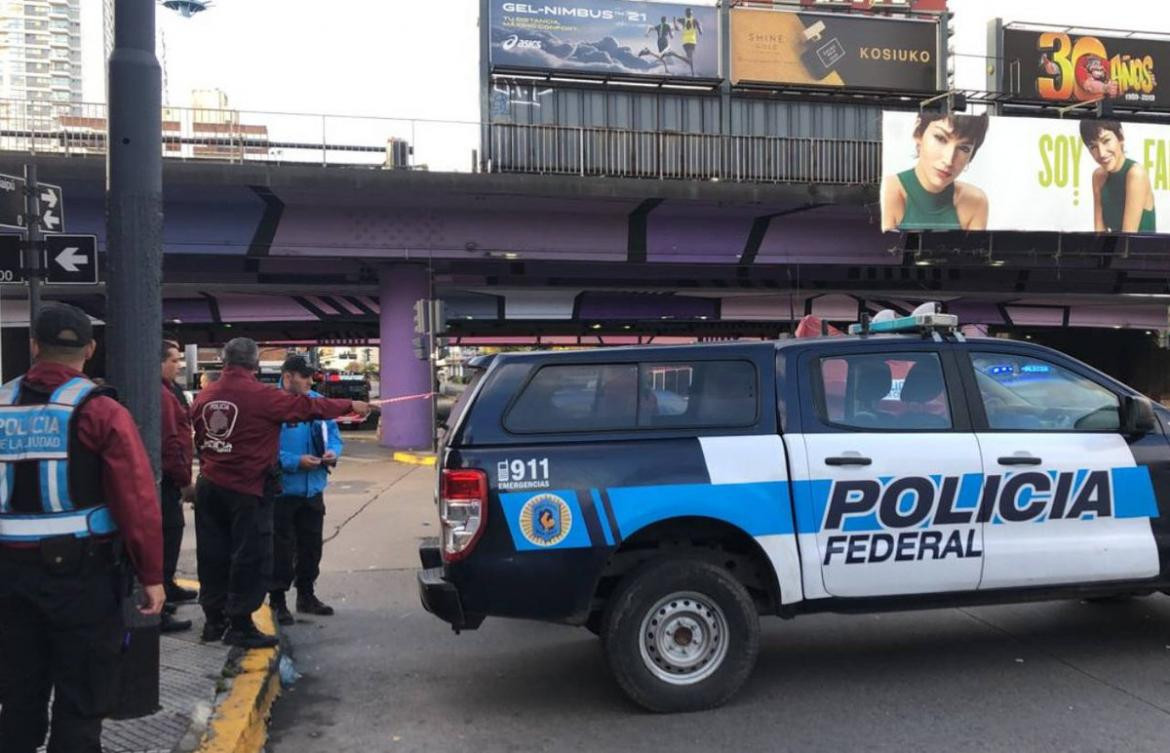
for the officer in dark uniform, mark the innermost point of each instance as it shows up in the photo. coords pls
(77, 500)
(237, 422)
(177, 447)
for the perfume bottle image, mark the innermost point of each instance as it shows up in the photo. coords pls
(820, 55)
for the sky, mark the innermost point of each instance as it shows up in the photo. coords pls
(419, 58)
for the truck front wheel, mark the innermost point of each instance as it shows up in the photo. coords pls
(681, 634)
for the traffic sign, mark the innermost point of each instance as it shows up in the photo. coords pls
(52, 208)
(11, 201)
(71, 259)
(11, 267)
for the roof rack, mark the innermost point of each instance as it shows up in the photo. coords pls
(927, 319)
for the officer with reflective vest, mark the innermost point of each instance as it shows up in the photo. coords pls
(77, 499)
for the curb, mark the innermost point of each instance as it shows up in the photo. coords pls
(239, 721)
(414, 458)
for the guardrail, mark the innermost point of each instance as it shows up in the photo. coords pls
(450, 146)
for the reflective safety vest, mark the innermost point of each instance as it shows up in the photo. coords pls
(40, 433)
(690, 33)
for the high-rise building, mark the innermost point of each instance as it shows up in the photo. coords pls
(40, 53)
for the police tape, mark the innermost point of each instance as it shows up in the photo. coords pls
(403, 398)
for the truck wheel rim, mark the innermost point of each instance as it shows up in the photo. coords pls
(684, 638)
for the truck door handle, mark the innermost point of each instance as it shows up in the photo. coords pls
(848, 460)
(1020, 460)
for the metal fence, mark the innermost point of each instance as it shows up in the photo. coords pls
(449, 146)
(682, 156)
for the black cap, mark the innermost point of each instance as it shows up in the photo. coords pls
(63, 325)
(297, 365)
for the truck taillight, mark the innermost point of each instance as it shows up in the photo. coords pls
(463, 507)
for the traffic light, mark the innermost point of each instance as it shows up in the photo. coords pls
(439, 316)
(421, 345)
(422, 319)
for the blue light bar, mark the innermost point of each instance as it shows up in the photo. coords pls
(913, 323)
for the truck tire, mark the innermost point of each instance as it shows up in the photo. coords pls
(681, 634)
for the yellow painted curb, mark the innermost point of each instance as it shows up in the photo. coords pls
(239, 724)
(414, 458)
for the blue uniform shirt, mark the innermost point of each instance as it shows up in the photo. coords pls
(306, 438)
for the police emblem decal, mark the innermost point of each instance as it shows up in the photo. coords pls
(545, 520)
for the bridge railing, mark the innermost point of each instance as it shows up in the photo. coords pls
(451, 146)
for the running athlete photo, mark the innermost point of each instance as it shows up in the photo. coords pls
(664, 31)
(1123, 199)
(691, 31)
(928, 196)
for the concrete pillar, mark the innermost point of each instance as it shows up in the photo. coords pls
(406, 425)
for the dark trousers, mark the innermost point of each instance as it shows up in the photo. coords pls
(59, 633)
(297, 528)
(233, 548)
(172, 522)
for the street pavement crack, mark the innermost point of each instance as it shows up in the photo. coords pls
(1060, 660)
(378, 493)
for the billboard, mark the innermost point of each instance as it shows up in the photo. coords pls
(606, 37)
(1057, 66)
(833, 50)
(865, 5)
(969, 172)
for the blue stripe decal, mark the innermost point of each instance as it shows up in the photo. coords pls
(571, 533)
(969, 489)
(600, 508)
(812, 497)
(1133, 493)
(101, 522)
(759, 509)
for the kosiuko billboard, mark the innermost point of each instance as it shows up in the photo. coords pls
(606, 37)
(974, 172)
(1056, 66)
(836, 50)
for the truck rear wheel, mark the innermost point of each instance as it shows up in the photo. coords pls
(681, 635)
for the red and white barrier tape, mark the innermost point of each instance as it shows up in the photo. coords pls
(403, 398)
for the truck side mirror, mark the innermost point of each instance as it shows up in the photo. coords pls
(1137, 415)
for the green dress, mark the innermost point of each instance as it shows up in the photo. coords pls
(926, 210)
(1113, 202)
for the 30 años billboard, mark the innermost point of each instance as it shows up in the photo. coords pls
(973, 172)
(600, 37)
(1056, 66)
(833, 50)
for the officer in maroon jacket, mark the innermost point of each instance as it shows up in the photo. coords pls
(78, 492)
(176, 449)
(237, 422)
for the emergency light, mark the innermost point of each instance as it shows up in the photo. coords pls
(926, 318)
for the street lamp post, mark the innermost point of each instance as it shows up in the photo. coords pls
(134, 215)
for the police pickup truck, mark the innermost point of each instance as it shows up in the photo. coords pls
(666, 497)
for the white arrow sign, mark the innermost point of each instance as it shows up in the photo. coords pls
(48, 215)
(70, 259)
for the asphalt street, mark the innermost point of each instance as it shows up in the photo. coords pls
(383, 675)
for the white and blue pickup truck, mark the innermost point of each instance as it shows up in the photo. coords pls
(666, 497)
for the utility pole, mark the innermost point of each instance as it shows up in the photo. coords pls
(134, 282)
(134, 218)
(35, 247)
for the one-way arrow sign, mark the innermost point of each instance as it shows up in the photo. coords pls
(71, 259)
(52, 208)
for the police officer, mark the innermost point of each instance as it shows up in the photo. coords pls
(76, 493)
(176, 478)
(307, 451)
(237, 423)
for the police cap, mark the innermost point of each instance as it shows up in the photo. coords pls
(297, 365)
(62, 325)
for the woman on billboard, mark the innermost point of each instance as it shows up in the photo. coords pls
(1123, 199)
(928, 196)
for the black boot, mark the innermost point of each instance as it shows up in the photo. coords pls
(276, 600)
(242, 632)
(176, 593)
(214, 628)
(168, 624)
(308, 603)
